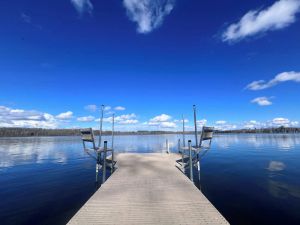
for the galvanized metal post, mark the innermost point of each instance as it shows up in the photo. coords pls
(113, 131)
(112, 144)
(198, 167)
(183, 131)
(100, 130)
(98, 164)
(182, 158)
(182, 154)
(83, 146)
(190, 160)
(97, 172)
(104, 162)
(167, 146)
(195, 123)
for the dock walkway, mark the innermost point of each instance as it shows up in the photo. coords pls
(148, 189)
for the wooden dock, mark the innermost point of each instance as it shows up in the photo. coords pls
(148, 189)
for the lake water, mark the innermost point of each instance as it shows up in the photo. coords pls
(251, 179)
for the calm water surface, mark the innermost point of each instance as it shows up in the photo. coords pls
(251, 179)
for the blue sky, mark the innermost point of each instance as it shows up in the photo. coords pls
(237, 61)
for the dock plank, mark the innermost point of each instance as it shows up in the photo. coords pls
(148, 189)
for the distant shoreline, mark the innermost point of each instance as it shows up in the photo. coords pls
(39, 132)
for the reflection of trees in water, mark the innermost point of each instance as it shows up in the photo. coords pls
(15, 151)
(276, 184)
(283, 190)
(145, 143)
(282, 141)
(225, 141)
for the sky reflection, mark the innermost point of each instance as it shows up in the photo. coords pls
(253, 168)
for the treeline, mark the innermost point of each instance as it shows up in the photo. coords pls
(28, 132)
(31, 132)
(277, 130)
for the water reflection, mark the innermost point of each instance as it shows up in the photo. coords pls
(238, 172)
(19, 151)
(282, 141)
(276, 166)
(283, 190)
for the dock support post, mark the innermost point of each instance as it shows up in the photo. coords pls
(198, 167)
(167, 146)
(98, 161)
(190, 161)
(97, 170)
(182, 155)
(104, 162)
(178, 145)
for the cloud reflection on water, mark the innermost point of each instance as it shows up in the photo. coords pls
(283, 190)
(276, 166)
(38, 150)
(283, 142)
(19, 151)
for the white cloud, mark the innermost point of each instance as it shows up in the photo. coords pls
(160, 118)
(278, 16)
(91, 108)
(82, 6)
(107, 108)
(276, 122)
(131, 121)
(125, 117)
(226, 127)
(85, 119)
(122, 119)
(119, 108)
(280, 78)
(162, 121)
(180, 121)
(220, 122)
(26, 118)
(65, 115)
(262, 101)
(148, 14)
(280, 121)
(252, 124)
(168, 125)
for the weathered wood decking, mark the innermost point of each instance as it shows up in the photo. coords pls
(148, 189)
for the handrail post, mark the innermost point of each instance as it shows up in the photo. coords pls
(104, 162)
(183, 131)
(198, 167)
(100, 129)
(190, 161)
(182, 154)
(195, 124)
(112, 145)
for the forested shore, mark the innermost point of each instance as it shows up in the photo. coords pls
(29, 132)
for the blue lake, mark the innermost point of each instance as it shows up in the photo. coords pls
(251, 179)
